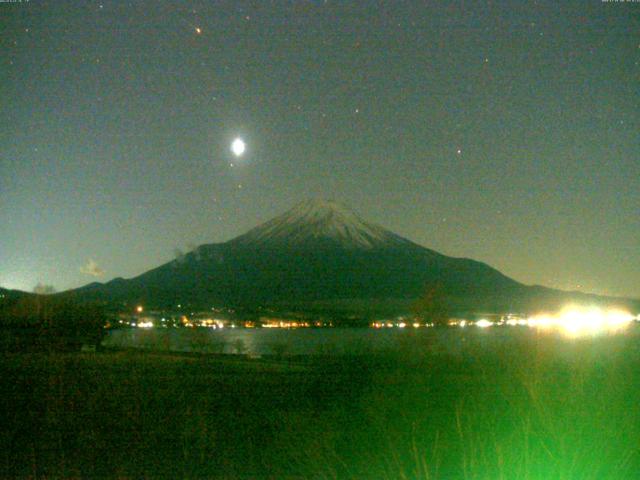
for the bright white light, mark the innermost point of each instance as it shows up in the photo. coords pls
(483, 323)
(578, 321)
(238, 147)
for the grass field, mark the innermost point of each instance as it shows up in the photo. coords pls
(536, 408)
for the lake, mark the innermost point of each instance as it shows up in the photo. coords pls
(338, 341)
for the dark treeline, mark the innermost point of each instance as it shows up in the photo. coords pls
(45, 322)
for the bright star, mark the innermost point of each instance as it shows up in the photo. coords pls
(238, 147)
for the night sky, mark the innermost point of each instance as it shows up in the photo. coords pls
(507, 132)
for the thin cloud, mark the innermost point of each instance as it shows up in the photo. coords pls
(92, 268)
(42, 289)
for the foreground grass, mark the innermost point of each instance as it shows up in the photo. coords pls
(535, 408)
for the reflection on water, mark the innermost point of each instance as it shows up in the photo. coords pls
(325, 341)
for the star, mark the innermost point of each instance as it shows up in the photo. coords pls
(198, 30)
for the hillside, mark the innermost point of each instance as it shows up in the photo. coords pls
(320, 254)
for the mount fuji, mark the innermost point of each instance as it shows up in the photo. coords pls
(316, 223)
(320, 253)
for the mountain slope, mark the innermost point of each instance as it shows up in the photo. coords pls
(320, 252)
(317, 222)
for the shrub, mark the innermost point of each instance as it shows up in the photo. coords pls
(52, 323)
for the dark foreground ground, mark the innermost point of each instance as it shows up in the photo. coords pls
(536, 408)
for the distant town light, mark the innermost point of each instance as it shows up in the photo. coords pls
(577, 321)
(483, 323)
(139, 309)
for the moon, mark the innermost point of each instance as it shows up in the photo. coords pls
(238, 147)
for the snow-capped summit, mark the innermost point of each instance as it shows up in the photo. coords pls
(314, 221)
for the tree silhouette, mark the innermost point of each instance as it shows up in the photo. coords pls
(53, 323)
(433, 305)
